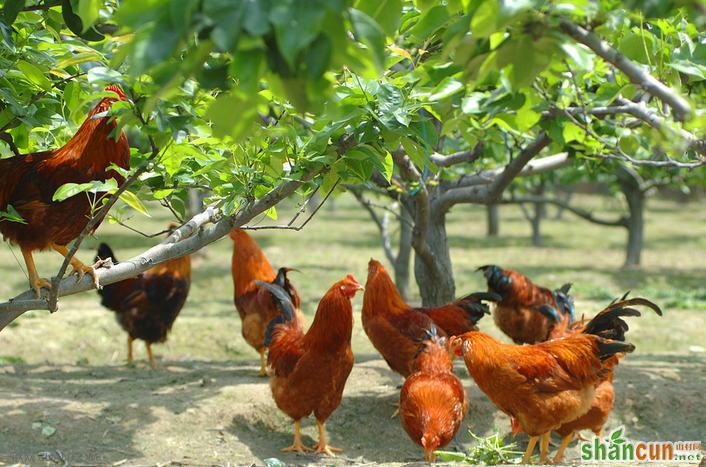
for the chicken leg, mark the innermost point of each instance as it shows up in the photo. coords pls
(129, 348)
(564, 443)
(35, 281)
(297, 445)
(544, 449)
(530, 448)
(78, 267)
(151, 355)
(322, 446)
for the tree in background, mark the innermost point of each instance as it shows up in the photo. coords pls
(259, 101)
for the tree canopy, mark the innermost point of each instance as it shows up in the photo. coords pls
(431, 103)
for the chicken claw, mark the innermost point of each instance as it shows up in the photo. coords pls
(78, 267)
(297, 445)
(322, 447)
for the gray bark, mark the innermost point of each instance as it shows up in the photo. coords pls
(436, 285)
(631, 184)
(493, 220)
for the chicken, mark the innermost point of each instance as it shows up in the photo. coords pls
(310, 370)
(28, 183)
(602, 405)
(432, 400)
(147, 305)
(255, 304)
(396, 329)
(517, 314)
(545, 385)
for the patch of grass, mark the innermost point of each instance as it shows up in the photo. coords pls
(7, 360)
(489, 451)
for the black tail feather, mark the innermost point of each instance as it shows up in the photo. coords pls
(284, 305)
(105, 252)
(549, 312)
(608, 348)
(496, 278)
(475, 308)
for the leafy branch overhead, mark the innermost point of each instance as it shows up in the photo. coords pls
(439, 103)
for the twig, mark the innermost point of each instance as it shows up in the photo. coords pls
(682, 109)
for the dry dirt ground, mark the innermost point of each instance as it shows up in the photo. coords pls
(197, 412)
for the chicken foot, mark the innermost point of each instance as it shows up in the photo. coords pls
(297, 445)
(322, 446)
(78, 267)
(35, 281)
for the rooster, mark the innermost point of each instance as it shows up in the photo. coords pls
(255, 304)
(396, 329)
(602, 405)
(432, 400)
(310, 370)
(517, 314)
(147, 305)
(28, 183)
(545, 385)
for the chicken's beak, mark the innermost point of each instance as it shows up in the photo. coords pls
(455, 347)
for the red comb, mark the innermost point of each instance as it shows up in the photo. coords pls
(116, 90)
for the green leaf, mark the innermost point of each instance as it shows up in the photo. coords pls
(387, 13)
(88, 11)
(48, 430)
(7, 37)
(75, 24)
(616, 433)
(430, 22)
(34, 75)
(11, 215)
(370, 33)
(68, 190)
(228, 15)
(447, 88)
(134, 202)
(232, 115)
(637, 47)
(11, 9)
(296, 26)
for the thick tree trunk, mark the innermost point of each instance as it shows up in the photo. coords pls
(631, 186)
(404, 254)
(493, 220)
(437, 288)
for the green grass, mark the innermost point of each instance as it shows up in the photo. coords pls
(342, 240)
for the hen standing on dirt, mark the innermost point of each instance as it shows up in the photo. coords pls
(516, 314)
(28, 183)
(432, 400)
(146, 306)
(254, 303)
(310, 370)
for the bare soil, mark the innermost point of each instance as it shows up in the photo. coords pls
(199, 412)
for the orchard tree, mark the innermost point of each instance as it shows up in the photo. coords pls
(259, 101)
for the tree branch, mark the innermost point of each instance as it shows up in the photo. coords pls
(469, 156)
(636, 74)
(181, 242)
(491, 193)
(622, 222)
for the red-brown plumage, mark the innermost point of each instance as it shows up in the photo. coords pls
(146, 306)
(254, 303)
(545, 385)
(433, 402)
(396, 329)
(516, 314)
(310, 370)
(28, 183)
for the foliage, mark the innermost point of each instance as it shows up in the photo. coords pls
(239, 97)
(489, 451)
